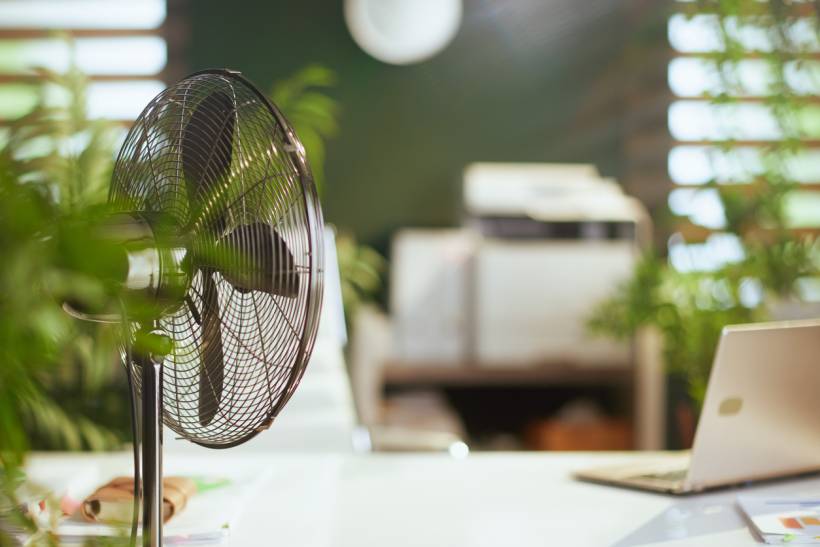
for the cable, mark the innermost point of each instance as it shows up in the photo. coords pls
(134, 435)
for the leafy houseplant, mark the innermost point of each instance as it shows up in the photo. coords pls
(60, 387)
(361, 269)
(314, 117)
(314, 114)
(690, 308)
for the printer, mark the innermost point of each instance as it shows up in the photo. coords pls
(539, 247)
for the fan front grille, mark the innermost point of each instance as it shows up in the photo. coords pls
(246, 185)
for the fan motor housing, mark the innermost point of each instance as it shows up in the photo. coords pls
(153, 274)
(159, 266)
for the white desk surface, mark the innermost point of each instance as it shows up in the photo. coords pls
(491, 499)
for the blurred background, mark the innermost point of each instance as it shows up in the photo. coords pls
(544, 214)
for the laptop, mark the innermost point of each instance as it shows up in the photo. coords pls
(760, 418)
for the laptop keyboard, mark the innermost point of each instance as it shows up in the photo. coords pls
(676, 475)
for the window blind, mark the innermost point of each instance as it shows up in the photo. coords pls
(730, 75)
(118, 44)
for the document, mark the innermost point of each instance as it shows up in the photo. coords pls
(778, 521)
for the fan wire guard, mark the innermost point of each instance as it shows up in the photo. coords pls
(266, 338)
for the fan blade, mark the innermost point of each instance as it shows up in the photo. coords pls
(259, 261)
(207, 151)
(212, 364)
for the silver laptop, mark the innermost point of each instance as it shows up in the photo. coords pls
(760, 418)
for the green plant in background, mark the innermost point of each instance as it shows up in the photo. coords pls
(313, 114)
(361, 269)
(690, 308)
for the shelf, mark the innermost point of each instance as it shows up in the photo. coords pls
(470, 374)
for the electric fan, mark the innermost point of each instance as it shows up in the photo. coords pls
(219, 231)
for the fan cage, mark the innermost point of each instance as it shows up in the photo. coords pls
(267, 338)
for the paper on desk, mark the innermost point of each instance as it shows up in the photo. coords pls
(208, 518)
(783, 520)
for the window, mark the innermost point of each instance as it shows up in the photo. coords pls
(118, 43)
(724, 126)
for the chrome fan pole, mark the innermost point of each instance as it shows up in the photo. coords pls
(152, 510)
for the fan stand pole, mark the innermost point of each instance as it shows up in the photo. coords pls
(152, 509)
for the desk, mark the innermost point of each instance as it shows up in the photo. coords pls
(493, 499)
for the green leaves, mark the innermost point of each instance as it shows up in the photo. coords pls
(361, 269)
(57, 145)
(689, 309)
(780, 264)
(313, 114)
(314, 117)
(52, 369)
(57, 376)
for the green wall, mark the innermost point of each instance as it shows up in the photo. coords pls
(524, 80)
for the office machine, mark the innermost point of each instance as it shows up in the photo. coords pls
(541, 245)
